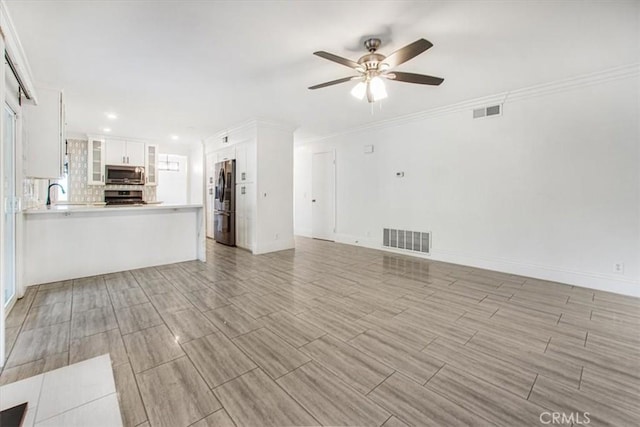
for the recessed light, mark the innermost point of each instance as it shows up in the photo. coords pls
(106, 129)
(175, 137)
(111, 116)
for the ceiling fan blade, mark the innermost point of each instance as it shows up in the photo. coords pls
(414, 78)
(333, 82)
(404, 54)
(340, 60)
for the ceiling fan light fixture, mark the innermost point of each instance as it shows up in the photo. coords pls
(359, 90)
(377, 89)
(373, 67)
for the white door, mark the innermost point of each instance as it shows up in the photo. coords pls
(323, 196)
(9, 208)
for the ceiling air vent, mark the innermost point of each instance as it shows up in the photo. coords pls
(494, 110)
(415, 241)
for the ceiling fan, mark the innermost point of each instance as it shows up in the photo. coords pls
(373, 66)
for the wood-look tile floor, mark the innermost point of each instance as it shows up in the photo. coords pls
(331, 334)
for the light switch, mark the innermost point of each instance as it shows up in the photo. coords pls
(368, 149)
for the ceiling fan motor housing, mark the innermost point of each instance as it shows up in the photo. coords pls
(372, 44)
(371, 61)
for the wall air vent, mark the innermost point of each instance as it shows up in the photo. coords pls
(415, 241)
(494, 110)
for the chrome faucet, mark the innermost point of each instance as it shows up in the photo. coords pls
(49, 192)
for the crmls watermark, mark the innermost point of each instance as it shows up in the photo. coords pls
(575, 418)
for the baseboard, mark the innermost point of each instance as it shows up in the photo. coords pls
(576, 278)
(274, 246)
(304, 232)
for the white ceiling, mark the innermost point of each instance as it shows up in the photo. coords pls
(193, 68)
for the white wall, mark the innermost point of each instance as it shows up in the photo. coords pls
(194, 153)
(196, 174)
(274, 225)
(550, 189)
(173, 186)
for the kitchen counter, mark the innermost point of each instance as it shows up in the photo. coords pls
(72, 241)
(102, 209)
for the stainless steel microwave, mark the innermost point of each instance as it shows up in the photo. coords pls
(132, 175)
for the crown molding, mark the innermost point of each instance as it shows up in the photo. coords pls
(252, 123)
(583, 80)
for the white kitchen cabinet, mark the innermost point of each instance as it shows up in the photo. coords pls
(245, 162)
(226, 154)
(210, 168)
(44, 135)
(209, 208)
(136, 153)
(151, 164)
(96, 160)
(245, 214)
(116, 150)
(125, 153)
(264, 182)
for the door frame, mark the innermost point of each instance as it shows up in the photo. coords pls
(10, 44)
(335, 191)
(16, 291)
(2, 124)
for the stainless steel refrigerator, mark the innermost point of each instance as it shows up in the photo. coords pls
(224, 205)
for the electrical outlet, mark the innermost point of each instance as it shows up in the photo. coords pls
(618, 267)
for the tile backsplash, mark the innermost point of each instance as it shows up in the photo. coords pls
(78, 190)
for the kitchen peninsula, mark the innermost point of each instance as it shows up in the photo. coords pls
(69, 242)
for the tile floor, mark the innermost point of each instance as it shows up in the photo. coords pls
(82, 394)
(331, 334)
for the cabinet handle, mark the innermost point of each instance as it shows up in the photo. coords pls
(123, 160)
(127, 159)
(102, 178)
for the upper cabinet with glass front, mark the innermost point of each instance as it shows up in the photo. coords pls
(101, 152)
(151, 164)
(95, 160)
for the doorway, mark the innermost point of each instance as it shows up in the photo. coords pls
(323, 184)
